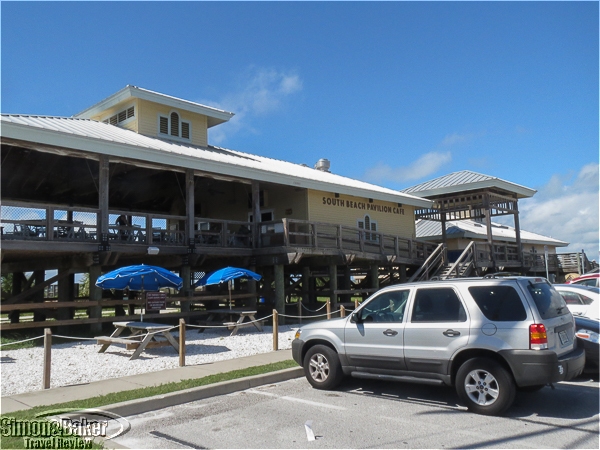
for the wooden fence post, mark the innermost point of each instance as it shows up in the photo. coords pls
(300, 309)
(47, 357)
(342, 311)
(355, 302)
(328, 309)
(181, 342)
(275, 331)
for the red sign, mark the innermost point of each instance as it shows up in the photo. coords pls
(155, 301)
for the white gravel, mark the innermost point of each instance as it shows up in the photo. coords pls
(79, 361)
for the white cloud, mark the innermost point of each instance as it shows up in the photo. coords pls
(424, 166)
(261, 92)
(566, 208)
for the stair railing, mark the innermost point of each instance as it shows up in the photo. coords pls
(431, 264)
(467, 256)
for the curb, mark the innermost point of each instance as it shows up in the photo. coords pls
(142, 405)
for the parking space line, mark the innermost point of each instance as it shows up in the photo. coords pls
(298, 400)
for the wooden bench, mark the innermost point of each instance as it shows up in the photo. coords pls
(130, 344)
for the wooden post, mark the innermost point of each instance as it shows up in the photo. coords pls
(355, 303)
(328, 309)
(275, 331)
(181, 342)
(300, 309)
(47, 357)
(342, 311)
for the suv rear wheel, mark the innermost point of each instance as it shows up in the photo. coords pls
(322, 367)
(485, 386)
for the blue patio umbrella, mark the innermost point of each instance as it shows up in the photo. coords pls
(139, 278)
(225, 275)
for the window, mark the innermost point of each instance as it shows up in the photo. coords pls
(121, 116)
(438, 305)
(368, 224)
(549, 303)
(387, 307)
(499, 303)
(174, 126)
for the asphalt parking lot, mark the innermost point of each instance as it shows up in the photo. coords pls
(369, 414)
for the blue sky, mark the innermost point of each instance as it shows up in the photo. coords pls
(395, 93)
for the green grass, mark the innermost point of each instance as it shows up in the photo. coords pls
(118, 397)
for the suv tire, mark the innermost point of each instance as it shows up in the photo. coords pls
(322, 367)
(485, 386)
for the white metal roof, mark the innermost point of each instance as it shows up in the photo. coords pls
(215, 115)
(472, 229)
(466, 180)
(99, 138)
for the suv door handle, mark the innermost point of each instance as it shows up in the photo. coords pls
(451, 333)
(389, 332)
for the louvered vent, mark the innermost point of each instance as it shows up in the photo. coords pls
(174, 124)
(185, 130)
(130, 112)
(164, 125)
(113, 120)
(122, 116)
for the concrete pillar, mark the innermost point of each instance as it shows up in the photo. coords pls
(375, 276)
(95, 295)
(186, 290)
(17, 286)
(39, 277)
(65, 294)
(402, 270)
(347, 284)
(305, 284)
(279, 291)
(333, 285)
(252, 289)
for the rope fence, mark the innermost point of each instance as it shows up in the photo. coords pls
(47, 336)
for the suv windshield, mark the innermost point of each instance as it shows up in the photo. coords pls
(548, 301)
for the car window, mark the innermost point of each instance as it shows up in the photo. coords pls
(387, 307)
(438, 305)
(585, 299)
(571, 298)
(499, 303)
(588, 282)
(548, 301)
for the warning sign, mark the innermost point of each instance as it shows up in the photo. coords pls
(155, 301)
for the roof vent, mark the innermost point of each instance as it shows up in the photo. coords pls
(323, 165)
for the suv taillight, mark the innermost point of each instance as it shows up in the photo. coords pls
(538, 340)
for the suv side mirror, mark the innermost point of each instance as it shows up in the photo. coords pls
(356, 317)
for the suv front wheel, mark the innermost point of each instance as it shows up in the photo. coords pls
(322, 367)
(485, 386)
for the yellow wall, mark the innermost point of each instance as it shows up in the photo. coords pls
(347, 210)
(131, 124)
(148, 121)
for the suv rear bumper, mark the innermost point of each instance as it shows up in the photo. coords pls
(536, 367)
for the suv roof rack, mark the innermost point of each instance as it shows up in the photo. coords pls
(502, 275)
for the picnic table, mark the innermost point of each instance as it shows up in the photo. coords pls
(143, 335)
(217, 316)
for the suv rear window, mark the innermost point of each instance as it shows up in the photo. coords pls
(499, 303)
(548, 301)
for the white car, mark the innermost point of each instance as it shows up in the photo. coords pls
(581, 300)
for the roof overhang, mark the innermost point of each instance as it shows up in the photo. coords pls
(520, 191)
(215, 116)
(179, 161)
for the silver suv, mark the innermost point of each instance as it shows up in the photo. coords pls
(487, 337)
